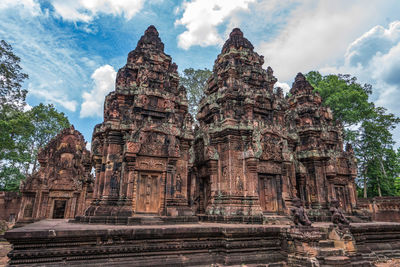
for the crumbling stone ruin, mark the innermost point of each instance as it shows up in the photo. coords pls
(170, 193)
(62, 187)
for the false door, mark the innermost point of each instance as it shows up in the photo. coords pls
(268, 193)
(148, 193)
(341, 197)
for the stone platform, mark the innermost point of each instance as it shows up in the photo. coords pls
(58, 242)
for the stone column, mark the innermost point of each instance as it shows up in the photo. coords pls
(114, 139)
(96, 193)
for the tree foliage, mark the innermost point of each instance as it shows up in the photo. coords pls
(46, 123)
(194, 82)
(11, 78)
(367, 127)
(22, 133)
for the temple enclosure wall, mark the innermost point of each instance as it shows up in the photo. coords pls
(382, 209)
(10, 203)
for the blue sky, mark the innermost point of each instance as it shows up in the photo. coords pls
(71, 49)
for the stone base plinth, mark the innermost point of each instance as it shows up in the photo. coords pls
(136, 220)
(58, 243)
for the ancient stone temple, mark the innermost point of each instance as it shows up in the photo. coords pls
(325, 171)
(164, 196)
(256, 150)
(141, 150)
(62, 187)
(243, 165)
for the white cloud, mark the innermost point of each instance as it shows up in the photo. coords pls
(88, 145)
(55, 65)
(201, 19)
(374, 57)
(86, 10)
(104, 82)
(53, 97)
(27, 107)
(317, 34)
(285, 87)
(31, 6)
(377, 40)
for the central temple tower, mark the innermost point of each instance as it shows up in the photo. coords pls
(240, 145)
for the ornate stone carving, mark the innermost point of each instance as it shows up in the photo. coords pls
(63, 185)
(299, 214)
(338, 217)
(146, 129)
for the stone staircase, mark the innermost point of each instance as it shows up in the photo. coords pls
(324, 247)
(332, 253)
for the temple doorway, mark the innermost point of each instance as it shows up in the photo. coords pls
(205, 193)
(268, 193)
(59, 209)
(341, 197)
(148, 193)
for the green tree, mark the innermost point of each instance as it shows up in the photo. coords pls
(47, 122)
(11, 78)
(374, 149)
(14, 124)
(195, 82)
(347, 99)
(367, 127)
(22, 133)
(14, 136)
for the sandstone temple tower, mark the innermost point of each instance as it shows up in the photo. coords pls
(255, 151)
(242, 158)
(141, 150)
(62, 187)
(326, 172)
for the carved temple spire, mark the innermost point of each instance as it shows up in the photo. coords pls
(301, 85)
(150, 40)
(236, 40)
(141, 150)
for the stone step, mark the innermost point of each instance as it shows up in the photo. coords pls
(151, 220)
(362, 263)
(326, 244)
(336, 261)
(327, 252)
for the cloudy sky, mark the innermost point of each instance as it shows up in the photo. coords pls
(71, 49)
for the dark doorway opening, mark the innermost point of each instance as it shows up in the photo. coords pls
(59, 209)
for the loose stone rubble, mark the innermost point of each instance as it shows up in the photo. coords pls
(220, 193)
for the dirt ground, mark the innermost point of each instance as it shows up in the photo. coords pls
(5, 247)
(389, 263)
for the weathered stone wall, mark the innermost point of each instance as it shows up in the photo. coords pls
(382, 209)
(10, 203)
